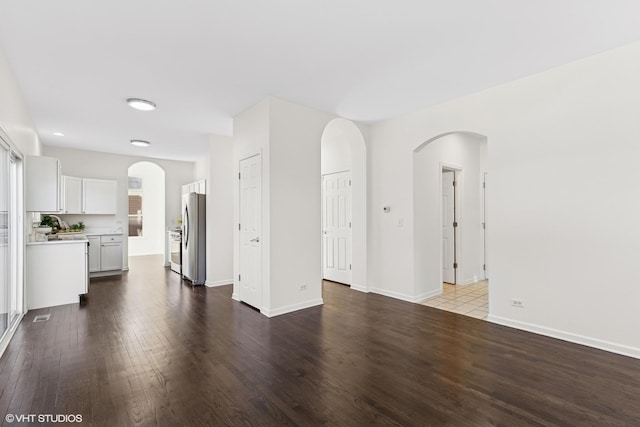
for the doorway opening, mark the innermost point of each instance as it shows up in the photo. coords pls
(344, 203)
(146, 198)
(450, 223)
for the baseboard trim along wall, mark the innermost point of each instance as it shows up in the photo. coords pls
(291, 308)
(218, 283)
(568, 336)
(405, 297)
(359, 288)
(427, 295)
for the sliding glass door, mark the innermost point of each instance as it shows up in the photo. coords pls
(11, 241)
(5, 253)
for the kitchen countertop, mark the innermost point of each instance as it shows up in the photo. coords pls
(103, 234)
(59, 242)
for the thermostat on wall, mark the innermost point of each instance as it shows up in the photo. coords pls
(386, 209)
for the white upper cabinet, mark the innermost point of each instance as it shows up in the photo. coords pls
(72, 195)
(100, 196)
(199, 187)
(42, 178)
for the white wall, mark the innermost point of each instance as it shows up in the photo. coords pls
(464, 153)
(563, 235)
(92, 164)
(220, 184)
(14, 116)
(295, 181)
(335, 149)
(153, 237)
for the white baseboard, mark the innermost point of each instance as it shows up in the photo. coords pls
(235, 297)
(167, 264)
(290, 308)
(568, 336)
(219, 283)
(471, 281)
(427, 295)
(359, 288)
(392, 294)
(106, 273)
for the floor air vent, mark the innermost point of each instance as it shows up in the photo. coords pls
(41, 318)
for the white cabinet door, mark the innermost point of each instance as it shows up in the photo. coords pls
(94, 253)
(111, 256)
(72, 194)
(100, 196)
(42, 176)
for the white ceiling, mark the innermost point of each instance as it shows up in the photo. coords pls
(204, 61)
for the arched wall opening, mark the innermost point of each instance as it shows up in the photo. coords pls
(466, 154)
(343, 149)
(146, 211)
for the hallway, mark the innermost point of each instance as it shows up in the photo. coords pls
(146, 350)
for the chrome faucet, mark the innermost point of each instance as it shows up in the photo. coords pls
(61, 224)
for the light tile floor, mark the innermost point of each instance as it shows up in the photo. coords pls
(470, 300)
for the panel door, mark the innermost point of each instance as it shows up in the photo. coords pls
(250, 279)
(448, 233)
(72, 194)
(111, 256)
(336, 227)
(100, 196)
(94, 253)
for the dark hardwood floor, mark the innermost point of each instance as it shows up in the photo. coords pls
(148, 350)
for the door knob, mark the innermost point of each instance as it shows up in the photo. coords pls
(257, 240)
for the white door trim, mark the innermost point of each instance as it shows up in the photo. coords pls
(458, 232)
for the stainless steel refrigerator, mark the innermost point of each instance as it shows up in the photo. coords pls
(193, 238)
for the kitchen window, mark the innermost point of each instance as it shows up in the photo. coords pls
(135, 207)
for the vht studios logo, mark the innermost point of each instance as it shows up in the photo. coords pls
(43, 418)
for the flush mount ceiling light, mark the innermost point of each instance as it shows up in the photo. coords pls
(140, 143)
(58, 134)
(141, 104)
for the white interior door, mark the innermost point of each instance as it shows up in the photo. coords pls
(448, 231)
(250, 279)
(336, 226)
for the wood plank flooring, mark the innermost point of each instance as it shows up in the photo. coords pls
(147, 350)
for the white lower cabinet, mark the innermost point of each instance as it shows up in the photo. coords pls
(56, 273)
(105, 254)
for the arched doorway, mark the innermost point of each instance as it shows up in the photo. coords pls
(146, 228)
(344, 216)
(449, 173)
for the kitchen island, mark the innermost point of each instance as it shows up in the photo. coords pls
(56, 272)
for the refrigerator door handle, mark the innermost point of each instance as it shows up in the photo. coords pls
(186, 227)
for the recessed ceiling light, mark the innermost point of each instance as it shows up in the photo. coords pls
(140, 143)
(58, 134)
(141, 104)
